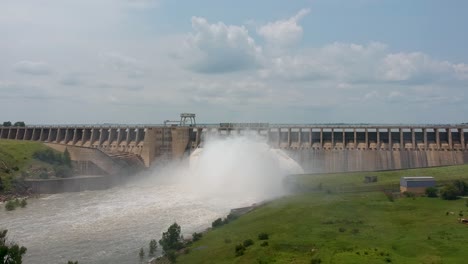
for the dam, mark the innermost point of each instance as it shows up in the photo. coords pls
(323, 148)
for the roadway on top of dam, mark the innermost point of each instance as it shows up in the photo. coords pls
(254, 125)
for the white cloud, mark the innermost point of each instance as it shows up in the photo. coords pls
(32, 67)
(283, 32)
(219, 48)
(123, 64)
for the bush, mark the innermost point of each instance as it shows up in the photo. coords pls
(23, 203)
(315, 261)
(10, 205)
(431, 192)
(342, 229)
(239, 250)
(10, 252)
(171, 240)
(171, 256)
(142, 253)
(196, 236)
(248, 242)
(217, 223)
(449, 192)
(263, 236)
(264, 244)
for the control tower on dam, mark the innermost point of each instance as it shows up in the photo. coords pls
(317, 148)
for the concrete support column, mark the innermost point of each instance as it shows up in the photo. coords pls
(425, 138)
(119, 136)
(344, 139)
(413, 138)
(67, 136)
(321, 137)
(17, 134)
(449, 133)
(300, 137)
(355, 139)
(289, 137)
(9, 133)
(437, 138)
(128, 139)
(41, 135)
(310, 137)
(390, 143)
(92, 139)
(75, 136)
(279, 137)
(57, 138)
(378, 138)
(366, 132)
(402, 144)
(333, 138)
(462, 138)
(137, 136)
(49, 137)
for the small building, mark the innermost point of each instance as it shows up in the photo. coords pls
(416, 185)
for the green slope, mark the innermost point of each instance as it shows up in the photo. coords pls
(360, 227)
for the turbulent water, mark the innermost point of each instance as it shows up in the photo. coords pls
(111, 226)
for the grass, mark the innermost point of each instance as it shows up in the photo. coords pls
(16, 157)
(345, 227)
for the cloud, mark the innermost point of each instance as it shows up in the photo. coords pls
(131, 67)
(283, 32)
(221, 48)
(32, 68)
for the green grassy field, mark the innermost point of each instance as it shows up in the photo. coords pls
(17, 157)
(359, 227)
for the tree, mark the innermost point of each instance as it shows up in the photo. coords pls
(10, 253)
(7, 124)
(431, 192)
(66, 158)
(19, 124)
(142, 253)
(171, 240)
(153, 245)
(461, 187)
(449, 192)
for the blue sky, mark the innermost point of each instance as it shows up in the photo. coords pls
(144, 61)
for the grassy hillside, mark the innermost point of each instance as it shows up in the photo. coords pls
(16, 159)
(360, 227)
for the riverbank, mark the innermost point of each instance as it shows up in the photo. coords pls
(332, 224)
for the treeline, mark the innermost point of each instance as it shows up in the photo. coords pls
(16, 124)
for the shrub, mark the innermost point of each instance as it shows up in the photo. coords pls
(264, 244)
(263, 236)
(355, 231)
(431, 192)
(63, 171)
(239, 250)
(230, 217)
(171, 240)
(409, 194)
(10, 205)
(342, 229)
(449, 192)
(227, 240)
(216, 223)
(10, 252)
(23, 203)
(196, 236)
(72, 262)
(171, 256)
(248, 242)
(142, 253)
(389, 196)
(315, 261)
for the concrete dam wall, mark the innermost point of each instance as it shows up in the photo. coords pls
(317, 148)
(328, 161)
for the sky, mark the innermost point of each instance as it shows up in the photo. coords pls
(303, 61)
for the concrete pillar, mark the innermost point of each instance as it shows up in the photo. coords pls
(344, 139)
(41, 135)
(449, 133)
(390, 143)
(75, 136)
(279, 137)
(128, 139)
(333, 138)
(462, 138)
(402, 144)
(49, 137)
(198, 137)
(310, 137)
(67, 136)
(300, 137)
(9, 133)
(17, 134)
(321, 137)
(289, 137)
(355, 138)
(437, 138)
(119, 136)
(425, 138)
(378, 138)
(92, 139)
(57, 138)
(413, 138)
(366, 132)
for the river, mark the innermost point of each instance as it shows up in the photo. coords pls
(111, 226)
